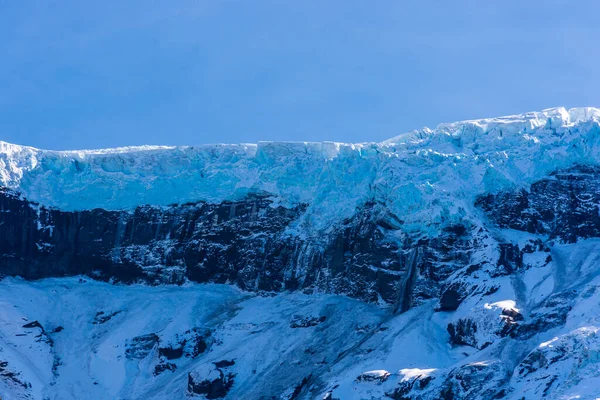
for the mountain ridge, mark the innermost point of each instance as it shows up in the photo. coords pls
(564, 117)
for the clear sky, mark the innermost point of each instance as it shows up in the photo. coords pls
(90, 74)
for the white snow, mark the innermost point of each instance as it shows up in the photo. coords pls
(503, 305)
(410, 373)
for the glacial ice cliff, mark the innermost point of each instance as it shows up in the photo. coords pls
(446, 167)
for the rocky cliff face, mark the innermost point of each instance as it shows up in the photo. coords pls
(563, 206)
(460, 263)
(242, 243)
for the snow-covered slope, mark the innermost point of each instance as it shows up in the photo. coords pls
(455, 263)
(109, 341)
(72, 338)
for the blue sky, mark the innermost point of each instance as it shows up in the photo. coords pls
(90, 74)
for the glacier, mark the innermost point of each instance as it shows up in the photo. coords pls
(453, 263)
(450, 166)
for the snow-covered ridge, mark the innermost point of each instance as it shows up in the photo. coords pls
(510, 125)
(426, 175)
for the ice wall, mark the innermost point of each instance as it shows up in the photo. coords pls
(424, 177)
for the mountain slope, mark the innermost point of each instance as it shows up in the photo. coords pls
(456, 263)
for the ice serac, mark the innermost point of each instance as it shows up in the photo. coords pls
(466, 257)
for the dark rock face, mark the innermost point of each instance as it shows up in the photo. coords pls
(203, 242)
(476, 381)
(42, 336)
(10, 377)
(189, 344)
(214, 385)
(306, 322)
(405, 388)
(472, 381)
(242, 243)
(34, 324)
(511, 256)
(140, 346)
(451, 298)
(300, 387)
(545, 365)
(462, 332)
(103, 317)
(162, 367)
(246, 243)
(370, 377)
(171, 353)
(551, 313)
(564, 206)
(224, 363)
(436, 259)
(360, 260)
(165, 354)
